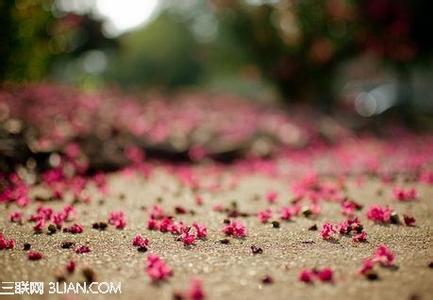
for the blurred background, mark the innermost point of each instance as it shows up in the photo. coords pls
(371, 55)
(359, 61)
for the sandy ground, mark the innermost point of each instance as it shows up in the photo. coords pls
(230, 271)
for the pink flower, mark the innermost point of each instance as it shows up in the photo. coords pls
(426, 177)
(75, 229)
(82, 249)
(176, 228)
(306, 276)
(6, 243)
(350, 225)
(236, 229)
(367, 266)
(327, 231)
(348, 207)
(198, 200)
(409, 220)
(70, 266)
(325, 274)
(379, 214)
(117, 218)
(157, 269)
(34, 255)
(286, 213)
(309, 275)
(401, 194)
(156, 212)
(139, 241)
(59, 219)
(218, 207)
(196, 291)
(152, 224)
(187, 238)
(384, 256)
(201, 230)
(15, 217)
(360, 237)
(264, 215)
(39, 225)
(165, 224)
(271, 196)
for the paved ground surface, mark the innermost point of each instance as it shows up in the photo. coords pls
(231, 271)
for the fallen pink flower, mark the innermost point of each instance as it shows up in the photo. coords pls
(271, 197)
(176, 227)
(360, 237)
(165, 224)
(187, 238)
(348, 207)
(325, 274)
(379, 214)
(82, 249)
(156, 212)
(264, 215)
(157, 269)
(198, 200)
(306, 276)
(34, 255)
(367, 266)
(6, 243)
(327, 231)
(75, 229)
(152, 224)
(409, 220)
(286, 213)
(39, 226)
(16, 217)
(384, 256)
(218, 207)
(139, 241)
(196, 291)
(70, 266)
(236, 229)
(401, 194)
(201, 230)
(117, 218)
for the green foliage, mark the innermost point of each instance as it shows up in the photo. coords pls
(164, 53)
(26, 45)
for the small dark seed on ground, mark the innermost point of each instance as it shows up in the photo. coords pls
(372, 276)
(394, 218)
(27, 246)
(307, 213)
(267, 280)
(100, 225)
(313, 228)
(67, 245)
(52, 229)
(414, 297)
(275, 224)
(256, 250)
(430, 265)
(225, 241)
(180, 210)
(226, 221)
(308, 242)
(142, 249)
(178, 296)
(89, 275)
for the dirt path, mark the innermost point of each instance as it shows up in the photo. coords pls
(229, 271)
